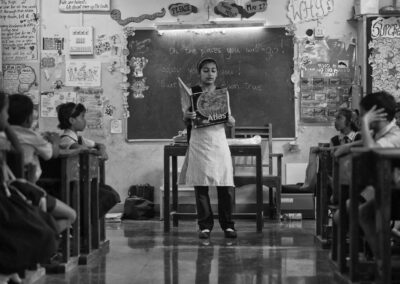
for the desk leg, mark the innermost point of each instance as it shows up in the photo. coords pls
(341, 229)
(166, 192)
(94, 186)
(383, 197)
(259, 192)
(86, 217)
(76, 204)
(175, 190)
(355, 189)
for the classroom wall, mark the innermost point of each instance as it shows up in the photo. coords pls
(142, 162)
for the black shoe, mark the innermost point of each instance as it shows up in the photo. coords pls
(204, 234)
(230, 233)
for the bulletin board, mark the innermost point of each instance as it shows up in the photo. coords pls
(255, 65)
(326, 76)
(383, 55)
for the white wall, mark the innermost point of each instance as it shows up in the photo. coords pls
(133, 163)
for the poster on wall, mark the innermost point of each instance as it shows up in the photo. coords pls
(18, 78)
(93, 99)
(326, 75)
(83, 73)
(50, 100)
(19, 30)
(384, 56)
(84, 5)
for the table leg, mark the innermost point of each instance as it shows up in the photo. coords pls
(166, 192)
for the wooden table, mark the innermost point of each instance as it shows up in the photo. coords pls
(171, 153)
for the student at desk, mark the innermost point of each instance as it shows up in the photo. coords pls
(71, 118)
(35, 145)
(208, 162)
(378, 129)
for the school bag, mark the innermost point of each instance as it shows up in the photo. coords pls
(28, 235)
(138, 205)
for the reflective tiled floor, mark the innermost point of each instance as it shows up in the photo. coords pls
(140, 252)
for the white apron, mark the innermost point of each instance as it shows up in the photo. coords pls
(208, 160)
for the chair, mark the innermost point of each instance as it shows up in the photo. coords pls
(272, 178)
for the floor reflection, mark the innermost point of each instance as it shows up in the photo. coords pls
(140, 252)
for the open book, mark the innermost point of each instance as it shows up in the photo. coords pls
(210, 107)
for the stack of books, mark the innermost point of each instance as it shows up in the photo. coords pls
(181, 138)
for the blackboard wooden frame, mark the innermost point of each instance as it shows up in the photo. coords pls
(255, 65)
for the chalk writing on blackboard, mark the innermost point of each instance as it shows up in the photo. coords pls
(18, 22)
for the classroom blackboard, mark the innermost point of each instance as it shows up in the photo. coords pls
(255, 64)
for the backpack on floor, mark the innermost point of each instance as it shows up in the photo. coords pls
(138, 208)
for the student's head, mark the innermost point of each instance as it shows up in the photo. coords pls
(20, 110)
(208, 70)
(344, 120)
(397, 115)
(71, 116)
(3, 111)
(382, 100)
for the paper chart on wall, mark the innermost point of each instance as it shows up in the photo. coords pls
(80, 73)
(19, 27)
(18, 78)
(384, 56)
(84, 5)
(93, 100)
(50, 100)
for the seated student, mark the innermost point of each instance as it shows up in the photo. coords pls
(344, 123)
(34, 145)
(378, 129)
(71, 118)
(397, 115)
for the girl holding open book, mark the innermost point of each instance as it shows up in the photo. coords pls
(208, 159)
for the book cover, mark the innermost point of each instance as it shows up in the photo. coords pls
(211, 107)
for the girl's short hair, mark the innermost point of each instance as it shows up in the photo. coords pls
(66, 111)
(3, 100)
(204, 61)
(20, 108)
(382, 100)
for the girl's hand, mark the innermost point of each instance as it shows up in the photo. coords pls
(374, 115)
(189, 115)
(231, 121)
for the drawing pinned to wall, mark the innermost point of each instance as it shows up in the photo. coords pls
(18, 23)
(229, 9)
(53, 43)
(138, 87)
(300, 11)
(93, 99)
(326, 75)
(109, 110)
(116, 126)
(116, 16)
(83, 73)
(84, 5)
(50, 100)
(256, 6)
(18, 78)
(138, 64)
(384, 57)
(181, 9)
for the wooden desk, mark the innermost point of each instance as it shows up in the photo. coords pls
(64, 171)
(322, 196)
(385, 160)
(171, 152)
(89, 178)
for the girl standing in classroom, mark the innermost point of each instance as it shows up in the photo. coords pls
(208, 161)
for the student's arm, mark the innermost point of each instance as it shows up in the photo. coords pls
(12, 137)
(54, 139)
(373, 115)
(102, 150)
(345, 148)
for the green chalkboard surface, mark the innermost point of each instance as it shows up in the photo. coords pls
(254, 64)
